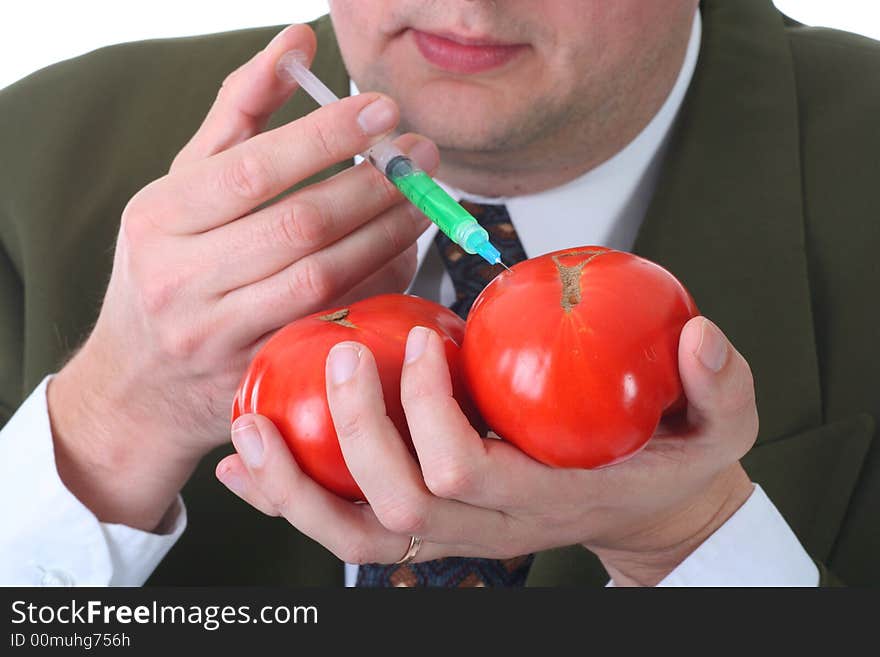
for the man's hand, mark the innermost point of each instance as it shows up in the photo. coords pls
(205, 269)
(474, 496)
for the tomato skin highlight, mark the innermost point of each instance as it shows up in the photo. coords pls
(573, 356)
(286, 379)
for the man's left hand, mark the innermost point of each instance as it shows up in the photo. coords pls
(468, 495)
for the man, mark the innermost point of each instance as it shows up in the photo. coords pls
(756, 190)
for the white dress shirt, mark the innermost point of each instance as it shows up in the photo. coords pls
(49, 538)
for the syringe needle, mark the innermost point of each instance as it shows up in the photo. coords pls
(505, 266)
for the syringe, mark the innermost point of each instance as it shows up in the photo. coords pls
(416, 185)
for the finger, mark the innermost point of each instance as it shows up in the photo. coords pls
(717, 382)
(451, 453)
(456, 462)
(248, 98)
(261, 244)
(344, 528)
(316, 281)
(393, 278)
(383, 467)
(234, 475)
(275, 485)
(208, 193)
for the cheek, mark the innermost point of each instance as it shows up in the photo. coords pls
(595, 41)
(597, 25)
(357, 28)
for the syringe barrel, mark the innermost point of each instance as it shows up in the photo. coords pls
(383, 153)
(442, 209)
(292, 66)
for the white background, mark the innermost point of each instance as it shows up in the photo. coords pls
(36, 33)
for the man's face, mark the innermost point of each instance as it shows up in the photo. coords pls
(495, 76)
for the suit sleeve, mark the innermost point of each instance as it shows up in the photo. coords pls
(11, 341)
(47, 537)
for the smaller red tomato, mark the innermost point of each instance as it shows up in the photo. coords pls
(285, 381)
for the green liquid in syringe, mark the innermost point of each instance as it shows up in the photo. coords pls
(430, 198)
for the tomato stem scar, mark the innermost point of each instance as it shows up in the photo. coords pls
(571, 277)
(339, 317)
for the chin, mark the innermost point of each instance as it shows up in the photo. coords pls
(460, 138)
(452, 127)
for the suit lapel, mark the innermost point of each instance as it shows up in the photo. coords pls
(727, 220)
(727, 217)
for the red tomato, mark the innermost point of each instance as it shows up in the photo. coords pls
(286, 383)
(573, 356)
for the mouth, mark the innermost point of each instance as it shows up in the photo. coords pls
(464, 55)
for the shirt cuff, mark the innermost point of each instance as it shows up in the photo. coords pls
(755, 547)
(48, 537)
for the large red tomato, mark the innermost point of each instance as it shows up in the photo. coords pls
(573, 356)
(286, 383)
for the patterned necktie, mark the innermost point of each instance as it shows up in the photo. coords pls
(470, 274)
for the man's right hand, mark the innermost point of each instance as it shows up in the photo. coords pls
(204, 272)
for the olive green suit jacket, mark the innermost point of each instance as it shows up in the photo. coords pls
(767, 210)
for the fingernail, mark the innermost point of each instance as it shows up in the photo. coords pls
(416, 343)
(342, 362)
(425, 154)
(248, 443)
(378, 117)
(232, 481)
(281, 34)
(712, 350)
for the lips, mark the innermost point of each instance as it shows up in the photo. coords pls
(464, 56)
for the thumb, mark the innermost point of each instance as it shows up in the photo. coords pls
(268, 463)
(248, 98)
(717, 380)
